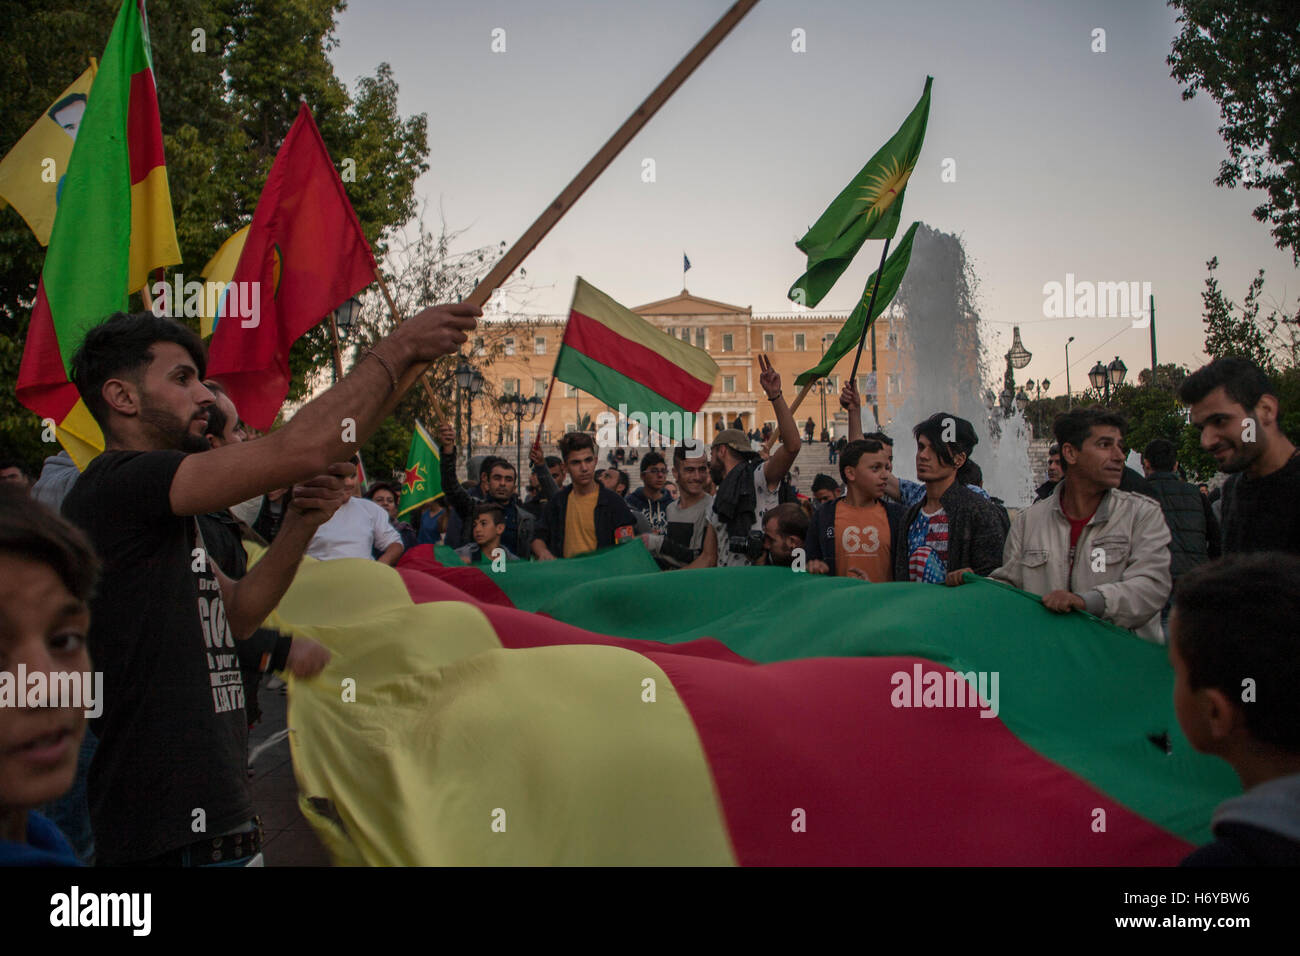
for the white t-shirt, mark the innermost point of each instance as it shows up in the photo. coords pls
(765, 499)
(355, 530)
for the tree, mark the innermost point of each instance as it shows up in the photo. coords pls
(1246, 55)
(230, 75)
(1245, 335)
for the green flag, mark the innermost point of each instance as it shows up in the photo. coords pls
(870, 207)
(422, 481)
(851, 333)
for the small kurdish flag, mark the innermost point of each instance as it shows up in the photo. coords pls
(422, 481)
(614, 354)
(869, 207)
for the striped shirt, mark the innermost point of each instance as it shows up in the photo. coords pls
(927, 548)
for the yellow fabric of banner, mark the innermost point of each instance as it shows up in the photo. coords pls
(424, 742)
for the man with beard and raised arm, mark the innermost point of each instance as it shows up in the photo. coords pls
(168, 784)
(1233, 406)
(747, 485)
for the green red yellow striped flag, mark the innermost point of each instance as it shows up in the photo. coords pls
(598, 711)
(114, 225)
(616, 355)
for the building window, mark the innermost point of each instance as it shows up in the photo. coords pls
(865, 387)
(478, 345)
(570, 392)
(728, 383)
(727, 340)
(699, 338)
(570, 427)
(799, 342)
(769, 342)
(510, 386)
(510, 345)
(895, 384)
(539, 346)
(539, 387)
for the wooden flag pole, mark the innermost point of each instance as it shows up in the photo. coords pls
(798, 400)
(397, 317)
(525, 244)
(541, 419)
(871, 308)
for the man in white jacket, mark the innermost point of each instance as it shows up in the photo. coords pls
(1089, 546)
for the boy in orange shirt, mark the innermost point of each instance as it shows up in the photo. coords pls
(856, 535)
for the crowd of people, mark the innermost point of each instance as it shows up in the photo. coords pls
(144, 573)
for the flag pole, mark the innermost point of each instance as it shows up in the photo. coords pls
(871, 308)
(541, 419)
(392, 308)
(798, 400)
(556, 209)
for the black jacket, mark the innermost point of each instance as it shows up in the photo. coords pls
(614, 519)
(820, 543)
(519, 540)
(1194, 534)
(975, 533)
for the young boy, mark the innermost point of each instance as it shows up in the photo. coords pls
(489, 526)
(1236, 661)
(857, 535)
(47, 575)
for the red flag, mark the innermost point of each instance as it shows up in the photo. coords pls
(304, 256)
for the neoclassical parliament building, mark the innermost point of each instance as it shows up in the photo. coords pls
(518, 354)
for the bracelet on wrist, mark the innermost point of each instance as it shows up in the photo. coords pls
(387, 367)
(773, 398)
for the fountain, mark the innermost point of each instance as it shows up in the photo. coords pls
(945, 365)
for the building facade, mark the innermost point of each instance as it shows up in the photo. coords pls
(518, 355)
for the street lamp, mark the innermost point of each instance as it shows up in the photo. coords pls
(475, 387)
(1115, 371)
(1022, 401)
(1100, 380)
(1005, 400)
(1069, 402)
(462, 375)
(522, 410)
(348, 314)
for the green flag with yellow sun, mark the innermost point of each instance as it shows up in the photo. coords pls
(869, 207)
(422, 480)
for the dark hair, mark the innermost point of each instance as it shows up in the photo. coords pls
(1074, 427)
(487, 464)
(970, 474)
(790, 519)
(933, 428)
(1236, 621)
(575, 441)
(853, 452)
(651, 459)
(498, 515)
(217, 421)
(1243, 381)
(7, 463)
(355, 460)
(1161, 454)
(497, 463)
(1054, 449)
(122, 345)
(880, 437)
(622, 479)
(387, 486)
(552, 461)
(30, 530)
(682, 452)
(824, 482)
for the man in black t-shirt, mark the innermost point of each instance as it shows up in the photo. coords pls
(168, 782)
(1232, 404)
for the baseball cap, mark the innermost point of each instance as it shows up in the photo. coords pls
(735, 439)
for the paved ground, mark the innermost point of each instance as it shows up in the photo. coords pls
(290, 840)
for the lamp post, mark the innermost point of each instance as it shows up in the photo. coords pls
(1069, 402)
(1115, 373)
(522, 410)
(342, 321)
(463, 374)
(475, 387)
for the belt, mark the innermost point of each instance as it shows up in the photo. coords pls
(218, 849)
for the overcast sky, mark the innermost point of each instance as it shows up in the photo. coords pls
(1067, 161)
